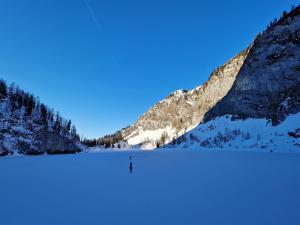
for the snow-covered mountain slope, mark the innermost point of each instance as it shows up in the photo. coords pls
(29, 127)
(183, 110)
(250, 134)
(261, 82)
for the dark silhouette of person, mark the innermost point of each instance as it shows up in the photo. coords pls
(130, 167)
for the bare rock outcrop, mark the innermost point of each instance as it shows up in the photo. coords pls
(268, 84)
(183, 110)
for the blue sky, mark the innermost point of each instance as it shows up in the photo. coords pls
(104, 63)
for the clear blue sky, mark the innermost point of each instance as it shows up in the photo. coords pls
(104, 63)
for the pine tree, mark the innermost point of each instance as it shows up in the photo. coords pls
(3, 89)
(11, 90)
(284, 13)
(164, 137)
(57, 123)
(30, 105)
(12, 96)
(43, 112)
(73, 131)
(20, 99)
(69, 123)
(157, 144)
(293, 7)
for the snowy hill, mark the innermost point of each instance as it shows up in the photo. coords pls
(30, 127)
(249, 134)
(262, 82)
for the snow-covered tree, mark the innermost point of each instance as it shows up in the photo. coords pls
(3, 89)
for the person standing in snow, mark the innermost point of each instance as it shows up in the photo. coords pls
(130, 165)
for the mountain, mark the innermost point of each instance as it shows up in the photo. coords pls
(268, 84)
(30, 127)
(183, 110)
(262, 82)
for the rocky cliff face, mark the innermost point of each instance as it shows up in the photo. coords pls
(183, 110)
(268, 84)
(29, 127)
(260, 82)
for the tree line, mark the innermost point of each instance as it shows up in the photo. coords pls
(283, 16)
(108, 141)
(28, 104)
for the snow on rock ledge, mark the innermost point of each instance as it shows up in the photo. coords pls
(223, 133)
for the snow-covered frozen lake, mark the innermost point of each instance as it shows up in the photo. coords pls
(166, 188)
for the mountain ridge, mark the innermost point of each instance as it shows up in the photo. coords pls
(157, 126)
(182, 110)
